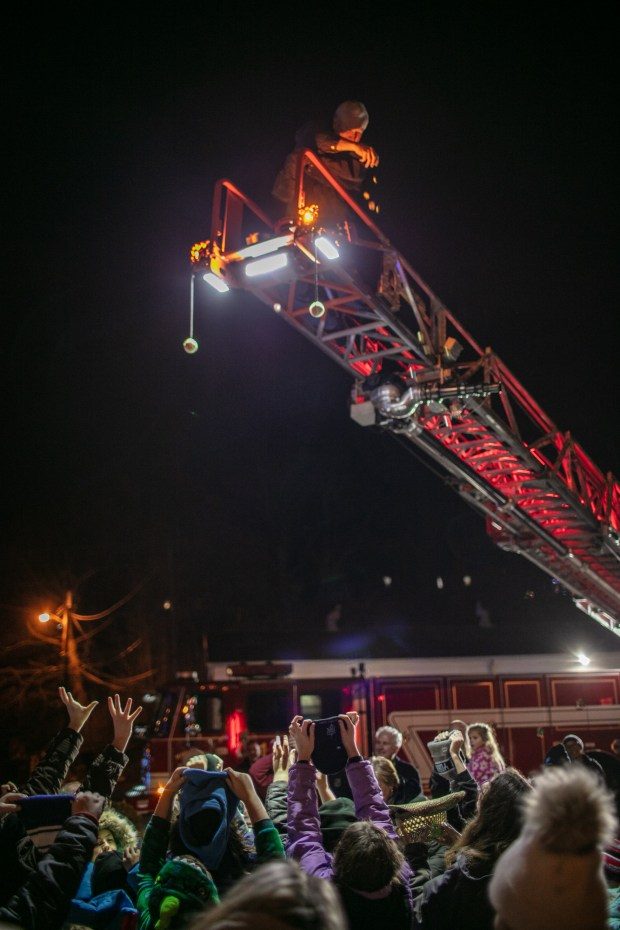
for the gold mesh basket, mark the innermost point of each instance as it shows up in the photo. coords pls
(418, 821)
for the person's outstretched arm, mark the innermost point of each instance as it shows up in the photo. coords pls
(266, 837)
(276, 799)
(49, 774)
(155, 842)
(104, 771)
(367, 796)
(305, 843)
(43, 900)
(329, 143)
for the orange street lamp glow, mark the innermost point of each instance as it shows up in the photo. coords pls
(309, 215)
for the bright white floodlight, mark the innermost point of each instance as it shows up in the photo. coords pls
(216, 283)
(326, 248)
(266, 264)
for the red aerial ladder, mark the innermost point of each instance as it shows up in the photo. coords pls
(419, 375)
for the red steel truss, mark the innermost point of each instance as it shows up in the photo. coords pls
(419, 375)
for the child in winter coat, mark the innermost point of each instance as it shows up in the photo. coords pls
(486, 760)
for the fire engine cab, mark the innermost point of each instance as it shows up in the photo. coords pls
(532, 701)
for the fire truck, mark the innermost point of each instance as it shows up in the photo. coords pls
(421, 377)
(532, 702)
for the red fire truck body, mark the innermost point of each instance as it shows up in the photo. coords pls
(532, 701)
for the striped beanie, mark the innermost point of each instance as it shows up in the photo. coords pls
(42, 816)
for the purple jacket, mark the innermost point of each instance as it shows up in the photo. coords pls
(304, 826)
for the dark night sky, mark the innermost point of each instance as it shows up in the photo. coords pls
(234, 480)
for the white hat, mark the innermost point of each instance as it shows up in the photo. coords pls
(552, 876)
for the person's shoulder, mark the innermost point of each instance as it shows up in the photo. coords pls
(593, 763)
(262, 766)
(403, 763)
(306, 135)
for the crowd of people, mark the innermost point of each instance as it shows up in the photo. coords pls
(312, 836)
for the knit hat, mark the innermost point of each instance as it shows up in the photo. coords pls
(112, 910)
(207, 807)
(577, 739)
(335, 816)
(180, 888)
(350, 115)
(552, 875)
(42, 816)
(557, 755)
(214, 763)
(329, 755)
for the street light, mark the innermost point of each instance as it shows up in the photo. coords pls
(63, 615)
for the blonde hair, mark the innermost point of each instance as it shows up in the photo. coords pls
(386, 771)
(121, 828)
(488, 738)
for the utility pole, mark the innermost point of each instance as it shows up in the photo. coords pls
(72, 667)
(72, 663)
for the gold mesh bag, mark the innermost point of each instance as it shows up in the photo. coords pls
(417, 821)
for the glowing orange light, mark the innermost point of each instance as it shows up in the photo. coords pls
(199, 252)
(44, 618)
(185, 709)
(160, 789)
(308, 215)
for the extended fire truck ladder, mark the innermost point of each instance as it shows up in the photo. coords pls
(419, 375)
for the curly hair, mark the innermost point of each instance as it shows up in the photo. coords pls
(276, 896)
(121, 828)
(497, 822)
(366, 858)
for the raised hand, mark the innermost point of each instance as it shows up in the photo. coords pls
(88, 802)
(457, 741)
(164, 805)
(347, 732)
(241, 785)
(282, 758)
(131, 855)
(176, 781)
(123, 719)
(9, 803)
(78, 713)
(302, 733)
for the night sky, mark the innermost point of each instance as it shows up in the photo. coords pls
(233, 482)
